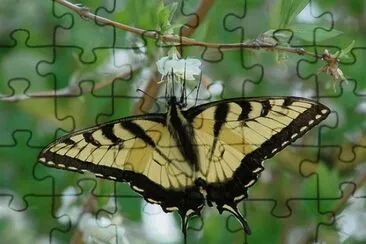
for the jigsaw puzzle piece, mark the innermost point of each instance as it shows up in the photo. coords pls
(27, 196)
(73, 36)
(286, 228)
(293, 173)
(34, 17)
(106, 39)
(21, 166)
(114, 213)
(348, 212)
(101, 86)
(253, 209)
(77, 206)
(20, 79)
(25, 115)
(20, 61)
(297, 225)
(347, 102)
(348, 127)
(222, 35)
(20, 219)
(303, 30)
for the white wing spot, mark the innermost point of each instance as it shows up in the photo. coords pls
(318, 116)
(284, 143)
(61, 165)
(172, 208)
(50, 163)
(43, 160)
(137, 189)
(295, 135)
(152, 200)
(303, 128)
(84, 170)
(250, 183)
(189, 212)
(257, 170)
(238, 198)
(324, 111)
(112, 177)
(274, 150)
(99, 175)
(311, 122)
(72, 168)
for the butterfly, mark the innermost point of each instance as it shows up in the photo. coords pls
(210, 153)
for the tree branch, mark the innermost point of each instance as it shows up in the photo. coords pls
(183, 41)
(69, 91)
(194, 22)
(349, 191)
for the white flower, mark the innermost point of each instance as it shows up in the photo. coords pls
(69, 196)
(216, 88)
(69, 206)
(361, 108)
(190, 67)
(102, 230)
(353, 219)
(159, 226)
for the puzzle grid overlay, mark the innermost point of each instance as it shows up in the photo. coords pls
(309, 178)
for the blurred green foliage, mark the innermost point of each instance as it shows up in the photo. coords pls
(45, 47)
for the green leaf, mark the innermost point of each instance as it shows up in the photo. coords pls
(172, 9)
(343, 54)
(287, 10)
(103, 188)
(165, 15)
(326, 187)
(306, 32)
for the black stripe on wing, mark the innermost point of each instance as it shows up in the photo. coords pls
(183, 200)
(170, 199)
(227, 195)
(136, 130)
(108, 133)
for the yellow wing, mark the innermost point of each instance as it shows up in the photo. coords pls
(138, 150)
(228, 131)
(231, 137)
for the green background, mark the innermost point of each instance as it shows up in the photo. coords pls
(45, 47)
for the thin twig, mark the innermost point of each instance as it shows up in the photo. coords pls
(349, 191)
(88, 207)
(68, 91)
(194, 22)
(181, 41)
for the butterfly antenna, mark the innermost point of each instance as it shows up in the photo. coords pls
(183, 98)
(153, 98)
(173, 89)
(166, 91)
(198, 89)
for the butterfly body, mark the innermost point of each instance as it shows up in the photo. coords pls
(183, 158)
(182, 132)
